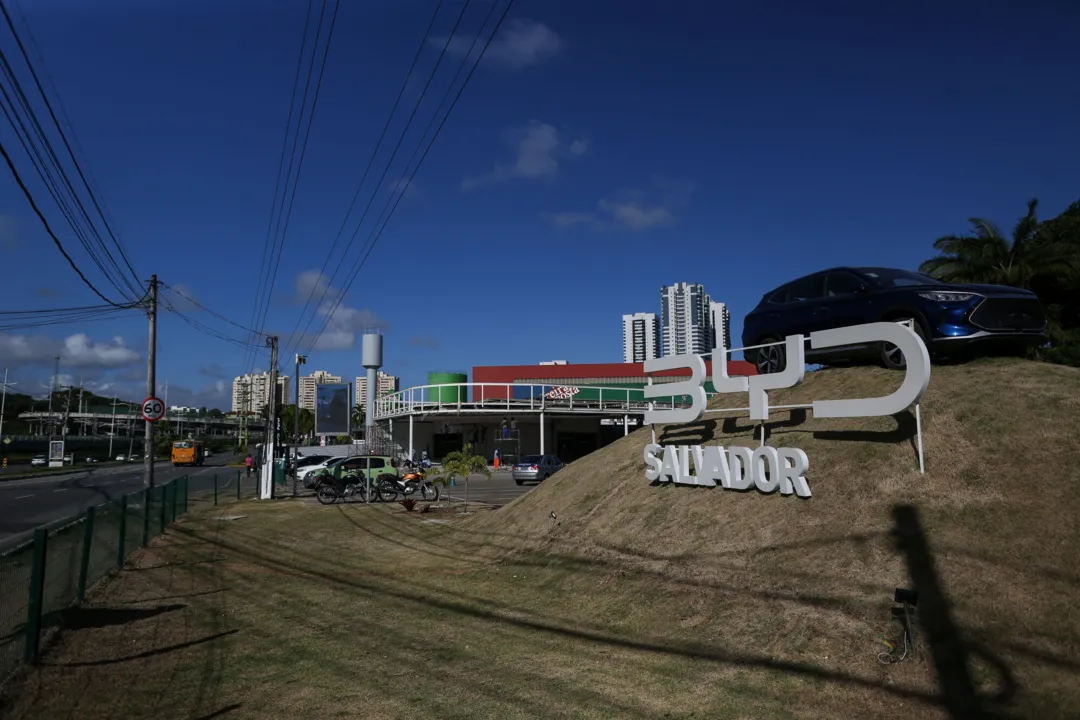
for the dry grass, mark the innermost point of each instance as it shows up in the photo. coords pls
(644, 602)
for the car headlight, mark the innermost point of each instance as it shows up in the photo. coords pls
(939, 296)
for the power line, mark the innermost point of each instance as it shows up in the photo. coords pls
(56, 240)
(389, 163)
(199, 305)
(367, 169)
(442, 123)
(67, 146)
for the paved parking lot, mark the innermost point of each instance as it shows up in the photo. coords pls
(499, 490)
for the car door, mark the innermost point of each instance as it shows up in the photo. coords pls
(844, 303)
(801, 311)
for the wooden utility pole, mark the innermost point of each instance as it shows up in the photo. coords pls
(151, 385)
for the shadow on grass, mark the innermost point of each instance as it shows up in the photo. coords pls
(148, 653)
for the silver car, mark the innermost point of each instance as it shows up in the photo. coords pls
(536, 468)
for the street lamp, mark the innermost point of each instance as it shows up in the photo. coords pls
(3, 402)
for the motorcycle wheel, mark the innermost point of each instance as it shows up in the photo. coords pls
(387, 491)
(326, 493)
(430, 491)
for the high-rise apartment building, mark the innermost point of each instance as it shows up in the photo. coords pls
(685, 319)
(721, 325)
(387, 384)
(308, 384)
(256, 387)
(640, 337)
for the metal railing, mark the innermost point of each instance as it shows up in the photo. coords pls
(43, 577)
(518, 398)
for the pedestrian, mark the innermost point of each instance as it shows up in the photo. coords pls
(248, 462)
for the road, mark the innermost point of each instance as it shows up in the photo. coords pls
(30, 503)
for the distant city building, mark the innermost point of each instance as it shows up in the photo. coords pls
(387, 384)
(257, 389)
(685, 319)
(721, 325)
(308, 384)
(641, 337)
(183, 410)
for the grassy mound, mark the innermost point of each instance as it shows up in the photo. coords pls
(989, 537)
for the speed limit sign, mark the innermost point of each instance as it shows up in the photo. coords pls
(153, 409)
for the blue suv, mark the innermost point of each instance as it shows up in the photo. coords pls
(947, 316)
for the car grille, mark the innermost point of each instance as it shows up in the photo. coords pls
(1009, 315)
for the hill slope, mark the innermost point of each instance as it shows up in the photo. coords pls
(811, 581)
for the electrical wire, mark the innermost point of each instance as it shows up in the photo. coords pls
(132, 281)
(374, 237)
(279, 241)
(329, 284)
(367, 170)
(202, 307)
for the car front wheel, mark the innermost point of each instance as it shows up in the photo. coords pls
(891, 356)
(769, 359)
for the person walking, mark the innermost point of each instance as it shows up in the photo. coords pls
(248, 463)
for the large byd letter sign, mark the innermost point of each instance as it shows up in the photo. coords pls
(740, 468)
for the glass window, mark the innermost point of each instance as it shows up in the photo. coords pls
(839, 284)
(808, 288)
(888, 277)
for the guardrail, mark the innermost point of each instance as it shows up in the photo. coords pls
(518, 398)
(42, 578)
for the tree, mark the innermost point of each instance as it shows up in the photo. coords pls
(288, 418)
(987, 256)
(462, 462)
(358, 417)
(1043, 257)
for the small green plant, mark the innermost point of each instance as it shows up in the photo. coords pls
(409, 504)
(463, 463)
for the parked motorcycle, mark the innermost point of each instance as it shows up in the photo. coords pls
(329, 490)
(414, 478)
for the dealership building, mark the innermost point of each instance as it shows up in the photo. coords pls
(565, 409)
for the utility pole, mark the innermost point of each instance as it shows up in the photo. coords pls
(52, 391)
(3, 402)
(151, 384)
(112, 430)
(270, 435)
(300, 360)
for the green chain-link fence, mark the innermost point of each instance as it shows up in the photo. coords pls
(41, 578)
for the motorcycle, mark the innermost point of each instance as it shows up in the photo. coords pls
(329, 490)
(414, 478)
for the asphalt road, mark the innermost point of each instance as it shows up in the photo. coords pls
(30, 503)
(498, 490)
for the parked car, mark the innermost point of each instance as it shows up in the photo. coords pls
(308, 461)
(380, 464)
(120, 458)
(39, 461)
(949, 317)
(536, 468)
(90, 460)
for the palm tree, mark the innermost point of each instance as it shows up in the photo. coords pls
(987, 256)
(358, 416)
(462, 462)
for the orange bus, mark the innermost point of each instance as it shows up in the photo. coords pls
(187, 452)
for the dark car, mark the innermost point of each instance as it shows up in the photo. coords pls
(948, 316)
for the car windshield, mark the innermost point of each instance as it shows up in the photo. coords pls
(531, 459)
(887, 277)
(182, 445)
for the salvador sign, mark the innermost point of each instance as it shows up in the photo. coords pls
(766, 468)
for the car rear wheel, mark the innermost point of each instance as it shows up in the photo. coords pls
(770, 359)
(891, 356)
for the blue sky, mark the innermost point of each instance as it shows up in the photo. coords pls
(604, 149)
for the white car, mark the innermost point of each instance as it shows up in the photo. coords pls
(39, 461)
(120, 458)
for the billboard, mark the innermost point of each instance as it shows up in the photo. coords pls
(333, 409)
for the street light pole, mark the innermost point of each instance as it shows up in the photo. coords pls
(3, 402)
(300, 360)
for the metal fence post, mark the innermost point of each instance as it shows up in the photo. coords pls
(187, 491)
(147, 497)
(174, 484)
(84, 565)
(37, 592)
(215, 489)
(238, 476)
(164, 509)
(120, 555)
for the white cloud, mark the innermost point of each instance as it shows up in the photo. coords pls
(538, 148)
(520, 43)
(634, 210)
(78, 351)
(342, 322)
(634, 216)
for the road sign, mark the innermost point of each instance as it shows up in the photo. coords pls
(153, 409)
